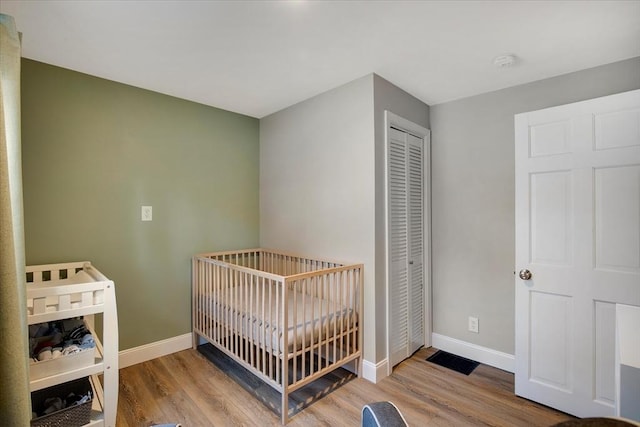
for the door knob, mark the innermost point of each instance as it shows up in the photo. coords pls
(525, 274)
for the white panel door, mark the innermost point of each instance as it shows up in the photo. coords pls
(578, 236)
(405, 159)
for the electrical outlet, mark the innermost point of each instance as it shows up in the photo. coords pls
(147, 213)
(474, 325)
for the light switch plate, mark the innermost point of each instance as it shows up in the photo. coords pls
(147, 213)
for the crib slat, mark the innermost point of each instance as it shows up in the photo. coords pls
(239, 311)
(300, 341)
(210, 289)
(230, 321)
(274, 319)
(230, 331)
(337, 347)
(266, 343)
(247, 318)
(226, 298)
(204, 300)
(283, 352)
(347, 319)
(250, 325)
(217, 274)
(234, 314)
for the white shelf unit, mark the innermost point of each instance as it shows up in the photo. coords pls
(62, 291)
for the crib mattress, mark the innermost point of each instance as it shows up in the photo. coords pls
(310, 319)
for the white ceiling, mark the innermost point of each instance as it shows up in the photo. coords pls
(257, 57)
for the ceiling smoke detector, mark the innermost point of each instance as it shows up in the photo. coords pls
(504, 61)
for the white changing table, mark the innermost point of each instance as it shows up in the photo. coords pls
(61, 291)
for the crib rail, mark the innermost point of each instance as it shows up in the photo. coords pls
(288, 319)
(272, 261)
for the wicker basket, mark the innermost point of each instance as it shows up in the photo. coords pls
(73, 416)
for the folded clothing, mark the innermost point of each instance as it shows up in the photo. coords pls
(55, 339)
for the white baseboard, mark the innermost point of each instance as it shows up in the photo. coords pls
(133, 356)
(488, 356)
(374, 372)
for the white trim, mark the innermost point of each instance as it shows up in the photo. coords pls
(488, 356)
(428, 312)
(404, 124)
(424, 133)
(133, 356)
(374, 372)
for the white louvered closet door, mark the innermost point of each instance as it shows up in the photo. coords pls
(416, 243)
(406, 248)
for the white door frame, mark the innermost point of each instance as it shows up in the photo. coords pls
(391, 119)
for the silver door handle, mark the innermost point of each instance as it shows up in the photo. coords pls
(525, 274)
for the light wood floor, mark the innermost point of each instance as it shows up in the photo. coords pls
(187, 388)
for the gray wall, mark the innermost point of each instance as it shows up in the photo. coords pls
(629, 392)
(388, 97)
(317, 182)
(322, 183)
(94, 151)
(473, 198)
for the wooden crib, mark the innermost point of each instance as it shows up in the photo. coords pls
(287, 318)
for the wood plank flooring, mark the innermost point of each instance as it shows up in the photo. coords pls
(187, 388)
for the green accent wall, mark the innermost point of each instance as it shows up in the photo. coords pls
(95, 151)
